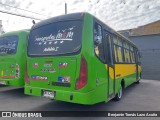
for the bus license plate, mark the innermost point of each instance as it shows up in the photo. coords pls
(2, 82)
(48, 94)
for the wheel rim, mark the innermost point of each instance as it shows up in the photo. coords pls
(120, 93)
(139, 79)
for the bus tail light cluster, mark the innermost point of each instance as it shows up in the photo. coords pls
(26, 77)
(82, 81)
(17, 71)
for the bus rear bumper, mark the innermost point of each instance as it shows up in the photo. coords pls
(67, 96)
(12, 82)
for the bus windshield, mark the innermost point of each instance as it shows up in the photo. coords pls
(8, 45)
(55, 39)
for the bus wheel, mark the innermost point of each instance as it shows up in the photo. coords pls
(138, 81)
(119, 94)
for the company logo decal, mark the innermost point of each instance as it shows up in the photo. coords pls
(63, 65)
(50, 49)
(34, 77)
(64, 79)
(60, 36)
(48, 70)
(52, 70)
(35, 65)
(47, 65)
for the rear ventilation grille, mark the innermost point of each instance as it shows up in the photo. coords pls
(61, 84)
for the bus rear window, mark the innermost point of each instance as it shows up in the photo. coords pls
(8, 45)
(55, 39)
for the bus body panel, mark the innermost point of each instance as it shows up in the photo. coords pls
(47, 72)
(13, 65)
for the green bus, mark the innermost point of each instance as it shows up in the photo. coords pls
(13, 57)
(77, 58)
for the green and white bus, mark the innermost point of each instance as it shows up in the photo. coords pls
(13, 47)
(77, 58)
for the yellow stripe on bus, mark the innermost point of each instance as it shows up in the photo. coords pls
(122, 70)
(111, 72)
(2, 73)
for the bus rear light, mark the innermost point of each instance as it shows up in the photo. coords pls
(26, 77)
(17, 71)
(82, 81)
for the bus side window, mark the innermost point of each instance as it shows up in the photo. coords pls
(132, 54)
(139, 57)
(108, 46)
(118, 50)
(98, 42)
(126, 53)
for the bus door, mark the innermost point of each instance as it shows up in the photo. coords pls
(136, 54)
(137, 64)
(110, 66)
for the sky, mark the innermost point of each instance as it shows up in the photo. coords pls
(118, 14)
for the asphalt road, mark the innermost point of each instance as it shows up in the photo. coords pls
(138, 97)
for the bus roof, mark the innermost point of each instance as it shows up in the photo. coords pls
(15, 32)
(73, 16)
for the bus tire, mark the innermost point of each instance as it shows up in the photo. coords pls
(119, 94)
(138, 81)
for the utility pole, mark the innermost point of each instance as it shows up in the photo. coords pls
(65, 8)
(1, 27)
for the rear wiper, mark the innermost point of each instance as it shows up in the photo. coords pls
(77, 48)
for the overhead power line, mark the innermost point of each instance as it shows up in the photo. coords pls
(24, 9)
(19, 15)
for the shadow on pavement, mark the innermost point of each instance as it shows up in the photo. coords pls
(2, 85)
(14, 92)
(65, 106)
